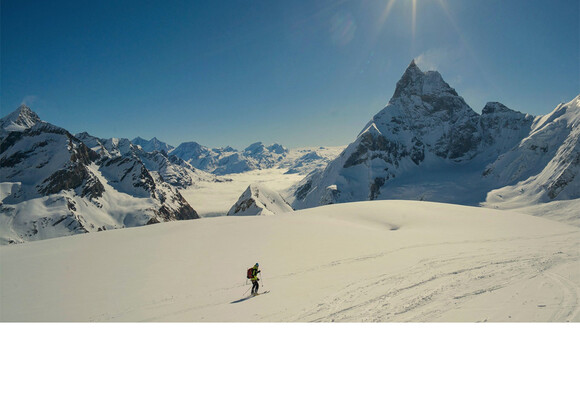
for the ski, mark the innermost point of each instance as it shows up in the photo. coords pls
(249, 297)
(261, 293)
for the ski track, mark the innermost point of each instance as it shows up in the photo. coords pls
(568, 308)
(438, 294)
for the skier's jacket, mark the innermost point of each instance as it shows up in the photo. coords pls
(253, 273)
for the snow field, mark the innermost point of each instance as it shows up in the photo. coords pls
(372, 261)
(211, 200)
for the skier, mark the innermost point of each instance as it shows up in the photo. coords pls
(254, 279)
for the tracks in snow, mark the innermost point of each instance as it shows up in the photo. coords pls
(447, 281)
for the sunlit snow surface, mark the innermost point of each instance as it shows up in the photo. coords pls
(216, 199)
(368, 261)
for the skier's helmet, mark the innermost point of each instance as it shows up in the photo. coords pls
(257, 264)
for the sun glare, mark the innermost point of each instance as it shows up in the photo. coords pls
(389, 7)
(414, 18)
(413, 3)
(387, 11)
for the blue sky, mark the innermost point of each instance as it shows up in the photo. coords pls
(301, 72)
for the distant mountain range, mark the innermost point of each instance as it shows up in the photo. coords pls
(53, 183)
(428, 144)
(222, 161)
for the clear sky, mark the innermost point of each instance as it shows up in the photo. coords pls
(299, 72)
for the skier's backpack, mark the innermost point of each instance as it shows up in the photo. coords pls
(250, 273)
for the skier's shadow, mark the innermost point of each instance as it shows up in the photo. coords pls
(242, 299)
(246, 298)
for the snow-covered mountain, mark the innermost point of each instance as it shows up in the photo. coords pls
(259, 200)
(221, 161)
(428, 144)
(543, 166)
(19, 120)
(172, 169)
(152, 145)
(54, 184)
(197, 155)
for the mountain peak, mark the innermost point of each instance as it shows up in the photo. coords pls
(411, 82)
(25, 111)
(495, 108)
(152, 145)
(20, 119)
(413, 71)
(415, 82)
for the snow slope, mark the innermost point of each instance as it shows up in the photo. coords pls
(567, 212)
(368, 261)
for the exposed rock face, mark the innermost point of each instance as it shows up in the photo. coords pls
(373, 145)
(503, 128)
(428, 144)
(173, 206)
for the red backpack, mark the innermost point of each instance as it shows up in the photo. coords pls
(250, 273)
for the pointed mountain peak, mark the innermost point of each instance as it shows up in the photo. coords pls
(413, 68)
(20, 119)
(411, 82)
(418, 83)
(24, 111)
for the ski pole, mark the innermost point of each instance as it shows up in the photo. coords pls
(248, 288)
